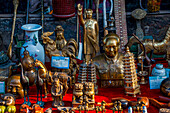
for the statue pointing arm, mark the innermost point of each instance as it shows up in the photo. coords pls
(80, 14)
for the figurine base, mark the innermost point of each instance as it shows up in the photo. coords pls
(40, 103)
(75, 105)
(134, 92)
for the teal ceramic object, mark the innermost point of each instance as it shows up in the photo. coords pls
(35, 49)
(158, 70)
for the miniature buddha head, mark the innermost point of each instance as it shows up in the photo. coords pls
(89, 13)
(59, 32)
(111, 45)
(14, 86)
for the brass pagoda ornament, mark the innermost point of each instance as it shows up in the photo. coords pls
(130, 80)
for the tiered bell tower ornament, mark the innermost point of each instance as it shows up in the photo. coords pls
(131, 82)
(82, 77)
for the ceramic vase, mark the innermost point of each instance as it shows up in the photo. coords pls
(158, 70)
(35, 49)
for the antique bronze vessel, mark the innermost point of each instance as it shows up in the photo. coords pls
(28, 65)
(14, 86)
(91, 33)
(109, 65)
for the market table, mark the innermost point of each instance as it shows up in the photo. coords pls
(104, 94)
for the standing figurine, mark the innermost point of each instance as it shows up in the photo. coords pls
(91, 34)
(57, 92)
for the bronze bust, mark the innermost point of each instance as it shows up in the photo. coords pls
(109, 65)
(14, 86)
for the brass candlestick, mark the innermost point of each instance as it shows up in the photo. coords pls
(142, 73)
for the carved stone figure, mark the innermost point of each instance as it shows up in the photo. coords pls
(91, 33)
(57, 92)
(77, 95)
(89, 94)
(14, 86)
(109, 65)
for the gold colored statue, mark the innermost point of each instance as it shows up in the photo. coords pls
(158, 47)
(14, 86)
(89, 94)
(91, 33)
(57, 92)
(60, 40)
(60, 47)
(77, 95)
(109, 65)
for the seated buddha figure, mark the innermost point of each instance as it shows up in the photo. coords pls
(109, 65)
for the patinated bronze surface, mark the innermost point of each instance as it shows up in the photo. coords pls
(77, 95)
(14, 86)
(60, 47)
(60, 40)
(109, 65)
(28, 66)
(57, 92)
(91, 33)
(158, 47)
(89, 94)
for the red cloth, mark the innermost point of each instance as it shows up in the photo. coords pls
(104, 94)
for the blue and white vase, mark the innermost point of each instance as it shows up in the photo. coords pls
(35, 49)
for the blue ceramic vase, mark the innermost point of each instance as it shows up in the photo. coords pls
(158, 70)
(35, 49)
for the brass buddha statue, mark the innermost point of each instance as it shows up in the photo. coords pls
(109, 65)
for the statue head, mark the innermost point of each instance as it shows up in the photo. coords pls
(89, 86)
(14, 86)
(59, 32)
(8, 98)
(111, 45)
(89, 13)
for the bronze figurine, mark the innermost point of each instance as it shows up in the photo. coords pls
(59, 47)
(77, 95)
(89, 94)
(91, 33)
(60, 40)
(109, 65)
(117, 107)
(57, 92)
(101, 108)
(157, 47)
(28, 65)
(14, 86)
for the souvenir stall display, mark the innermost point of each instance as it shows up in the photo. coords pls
(55, 74)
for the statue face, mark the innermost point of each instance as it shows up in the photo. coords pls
(59, 35)
(89, 14)
(15, 87)
(111, 48)
(56, 82)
